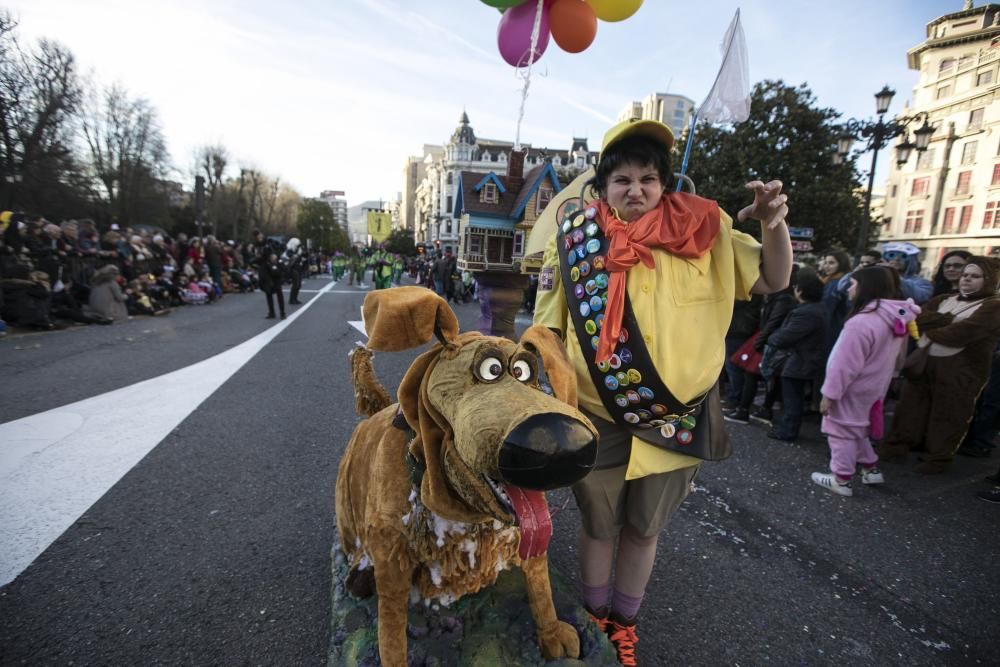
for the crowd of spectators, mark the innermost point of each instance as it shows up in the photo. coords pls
(778, 347)
(54, 274)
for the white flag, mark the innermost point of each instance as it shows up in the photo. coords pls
(729, 99)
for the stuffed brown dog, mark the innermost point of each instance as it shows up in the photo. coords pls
(439, 493)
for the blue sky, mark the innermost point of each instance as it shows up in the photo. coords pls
(336, 94)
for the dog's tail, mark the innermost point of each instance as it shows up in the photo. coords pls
(369, 395)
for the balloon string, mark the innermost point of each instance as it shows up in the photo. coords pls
(535, 29)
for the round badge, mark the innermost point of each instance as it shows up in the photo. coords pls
(578, 236)
(631, 417)
(632, 396)
(621, 401)
(672, 418)
(591, 229)
(581, 252)
(603, 366)
(684, 436)
(623, 337)
(634, 376)
(593, 245)
(574, 274)
(600, 320)
(565, 226)
(599, 262)
(615, 361)
(577, 220)
(595, 341)
(622, 378)
(590, 287)
(589, 326)
(611, 382)
(590, 213)
(644, 415)
(567, 242)
(578, 291)
(584, 269)
(656, 422)
(601, 278)
(688, 422)
(646, 393)
(625, 354)
(585, 309)
(596, 303)
(667, 431)
(658, 409)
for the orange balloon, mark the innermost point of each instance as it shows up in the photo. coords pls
(573, 24)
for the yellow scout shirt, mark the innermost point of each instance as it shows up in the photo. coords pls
(683, 308)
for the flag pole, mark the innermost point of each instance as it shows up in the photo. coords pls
(694, 118)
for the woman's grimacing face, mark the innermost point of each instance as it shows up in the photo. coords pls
(972, 279)
(828, 266)
(633, 190)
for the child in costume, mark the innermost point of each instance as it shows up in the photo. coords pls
(678, 261)
(861, 365)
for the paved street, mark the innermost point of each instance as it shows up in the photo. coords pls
(213, 547)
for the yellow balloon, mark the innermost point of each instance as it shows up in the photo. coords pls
(614, 10)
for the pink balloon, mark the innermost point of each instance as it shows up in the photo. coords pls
(514, 34)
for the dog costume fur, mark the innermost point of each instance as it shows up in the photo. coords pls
(464, 401)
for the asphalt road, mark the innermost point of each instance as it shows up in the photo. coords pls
(214, 549)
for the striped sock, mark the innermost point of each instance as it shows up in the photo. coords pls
(624, 605)
(595, 597)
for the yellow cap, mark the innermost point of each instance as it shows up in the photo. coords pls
(653, 129)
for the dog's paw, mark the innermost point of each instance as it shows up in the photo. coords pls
(559, 640)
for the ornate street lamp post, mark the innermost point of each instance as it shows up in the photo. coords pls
(878, 134)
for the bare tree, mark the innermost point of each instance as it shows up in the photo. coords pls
(39, 94)
(127, 151)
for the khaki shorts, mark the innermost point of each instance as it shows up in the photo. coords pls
(607, 501)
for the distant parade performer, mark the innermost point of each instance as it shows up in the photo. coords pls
(339, 266)
(269, 273)
(294, 263)
(382, 271)
(397, 269)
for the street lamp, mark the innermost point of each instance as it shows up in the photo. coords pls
(878, 133)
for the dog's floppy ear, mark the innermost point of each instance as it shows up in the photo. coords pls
(406, 317)
(543, 342)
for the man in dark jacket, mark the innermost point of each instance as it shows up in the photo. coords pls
(745, 322)
(803, 335)
(269, 273)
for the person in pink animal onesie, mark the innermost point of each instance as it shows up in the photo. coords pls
(858, 372)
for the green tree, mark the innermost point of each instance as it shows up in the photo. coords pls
(315, 222)
(788, 138)
(400, 242)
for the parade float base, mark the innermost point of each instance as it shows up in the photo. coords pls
(493, 627)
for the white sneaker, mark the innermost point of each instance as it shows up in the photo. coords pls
(828, 481)
(872, 476)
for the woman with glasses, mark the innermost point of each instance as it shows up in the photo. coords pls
(949, 272)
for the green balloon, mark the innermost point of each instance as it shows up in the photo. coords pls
(502, 4)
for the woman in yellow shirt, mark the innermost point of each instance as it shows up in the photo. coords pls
(681, 265)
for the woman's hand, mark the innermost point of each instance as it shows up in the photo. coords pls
(824, 406)
(769, 205)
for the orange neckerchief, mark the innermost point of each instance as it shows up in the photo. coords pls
(684, 225)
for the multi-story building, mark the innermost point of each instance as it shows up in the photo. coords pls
(671, 110)
(435, 196)
(413, 174)
(948, 197)
(335, 200)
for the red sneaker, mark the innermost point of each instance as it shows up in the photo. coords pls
(599, 618)
(622, 634)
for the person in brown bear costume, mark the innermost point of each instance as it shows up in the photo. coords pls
(936, 407)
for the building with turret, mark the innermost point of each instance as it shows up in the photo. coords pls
(948, 197)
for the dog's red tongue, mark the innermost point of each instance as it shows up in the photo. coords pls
(533, 519)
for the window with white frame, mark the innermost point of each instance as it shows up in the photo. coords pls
(963, 223)
(914, 221)
(475, 244)
(925, 160)
(962, 186)
(518, 244)
(976, 118)
(946, 65)
(996, 175)
(942, 92)
(991, 220)
(947, 227)
(489, 193)
(984, 78)
(544, 197)
(920, 186)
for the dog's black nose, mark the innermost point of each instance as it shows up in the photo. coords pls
(547, 451)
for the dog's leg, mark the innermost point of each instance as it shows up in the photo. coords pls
(392, 581)
(555, 638)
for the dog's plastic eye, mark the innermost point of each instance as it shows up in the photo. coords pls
(490, 369)
(521, 370)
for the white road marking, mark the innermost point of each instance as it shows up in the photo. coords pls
(360, 326)
(54, 465)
